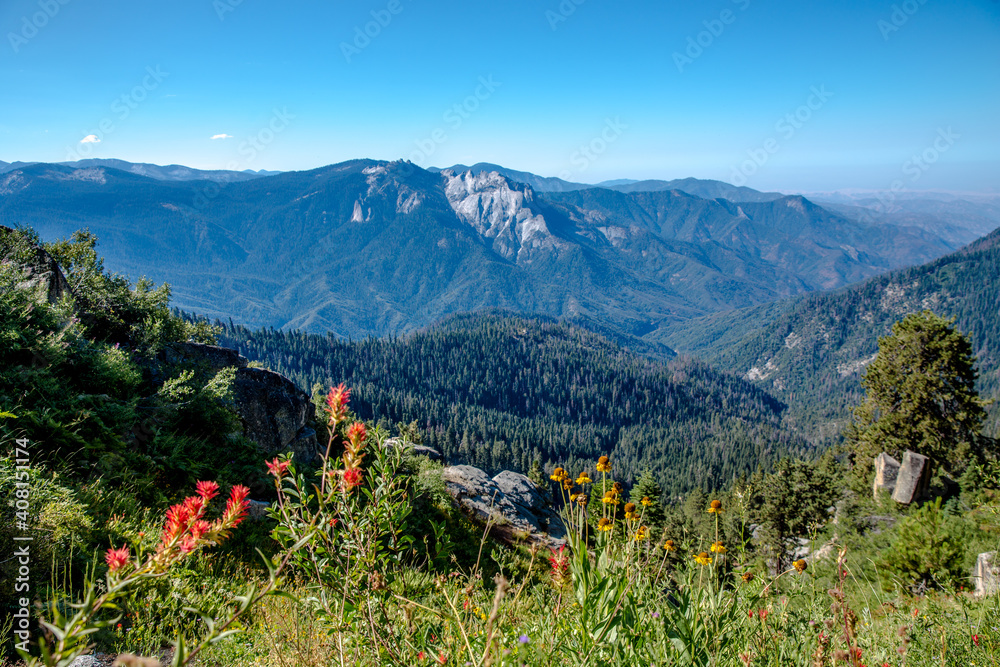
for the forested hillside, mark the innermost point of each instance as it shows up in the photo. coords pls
(811, 351)
(501, 391)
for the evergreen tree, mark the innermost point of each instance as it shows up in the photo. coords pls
(920, 395)
(647, 488)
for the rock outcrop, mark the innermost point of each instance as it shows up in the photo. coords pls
(987, 574)
(886, 471)
(913, 479)
(41, 273)
(510, 499)
(275, 413)
(209, 357)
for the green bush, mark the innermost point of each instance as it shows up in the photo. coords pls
(929, 549)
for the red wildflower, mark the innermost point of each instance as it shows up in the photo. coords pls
(352, 478)
(207, 490)
(975, 639)
(442, 659)
(421, 655)
(116, 558)
(237, 505)
(357, 433)
(560, 567)
(336, 403)
(763, 614)
(751, 613)
(277, 468)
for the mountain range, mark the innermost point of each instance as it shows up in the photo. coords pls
(377, 248)
(811, 351)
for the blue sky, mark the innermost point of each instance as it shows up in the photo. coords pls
(876, 91)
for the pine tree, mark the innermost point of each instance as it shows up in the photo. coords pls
(646, 487)
(920, 395)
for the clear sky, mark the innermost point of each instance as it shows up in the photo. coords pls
(650, 89)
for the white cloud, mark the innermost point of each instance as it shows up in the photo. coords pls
(222, 136)
(90, 139)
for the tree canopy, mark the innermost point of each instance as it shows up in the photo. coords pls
(920, 395)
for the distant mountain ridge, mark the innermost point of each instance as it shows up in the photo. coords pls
(376, 248)
(811, 351)
(173, 172)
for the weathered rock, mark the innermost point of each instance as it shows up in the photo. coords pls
(41, 273)
(913, 479)
(886, 471)
(510, 499)
(419, 450)
(209, 357)
(275, 413)
(257, 509)
(86, 661)
(987, 574)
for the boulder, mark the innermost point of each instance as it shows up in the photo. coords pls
(987, 574)
(275, 413)
(86, 661)
(210, 357)
(913, 479)
(886, 470)
(257, 509)
(419, 450)
(40, 272)
(510, 499)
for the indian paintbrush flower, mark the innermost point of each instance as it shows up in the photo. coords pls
(117, 558)
(277, 467)
(336, 404)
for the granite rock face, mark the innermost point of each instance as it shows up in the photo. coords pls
(987, 574)
(913, 479)
(511, 499)
(886, 471)
(275, 413)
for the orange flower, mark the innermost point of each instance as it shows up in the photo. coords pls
(715, 507)
(603, 464)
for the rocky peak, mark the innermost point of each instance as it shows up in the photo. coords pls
(499, 210)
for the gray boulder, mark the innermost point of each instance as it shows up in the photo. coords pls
(913, 479)
(275, 413)
(886, 471)
(86, 661)
(987, 574)
(509, 499)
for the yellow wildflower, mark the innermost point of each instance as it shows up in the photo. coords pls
(558, 475)
(642, 533)
(800, 566)
(715, 507)
(669, 546)
(718, 548)
(646, 502)
(604, 524)
(702, 558)
(583, 479)
(603, 464)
